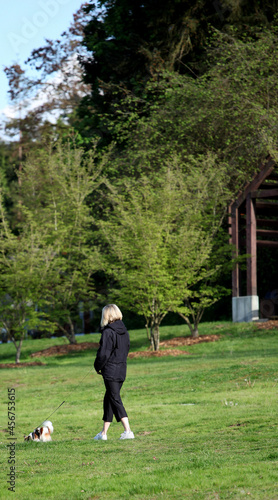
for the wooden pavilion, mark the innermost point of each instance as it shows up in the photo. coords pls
(253, 224)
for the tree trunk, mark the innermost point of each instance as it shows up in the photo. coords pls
(155, 337)
(193, 329)
(70, 335)
(195, 332)
(18, 351)
(72, 338)
(17, 346)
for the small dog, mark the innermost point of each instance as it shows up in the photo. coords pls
(42, 433)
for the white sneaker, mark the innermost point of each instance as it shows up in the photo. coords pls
(101, 436)
(127, 435)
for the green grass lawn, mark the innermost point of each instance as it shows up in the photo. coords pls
(205, 424)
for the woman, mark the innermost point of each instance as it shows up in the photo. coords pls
(110, 362)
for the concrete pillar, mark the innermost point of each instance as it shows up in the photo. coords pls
(245, 309)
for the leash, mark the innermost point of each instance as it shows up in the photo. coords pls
(50, 414)
(63, 401)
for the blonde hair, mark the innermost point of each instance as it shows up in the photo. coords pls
(110, 313)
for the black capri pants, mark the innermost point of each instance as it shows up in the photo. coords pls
(112, 403)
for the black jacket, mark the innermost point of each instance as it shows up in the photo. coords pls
(113, 350)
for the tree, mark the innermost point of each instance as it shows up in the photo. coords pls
(24, 267)
(58, 74)
(49, 258)
(210, 289)
(46, 90)
(160, 237)
(129, 43)
(229, 112)
(55, 187)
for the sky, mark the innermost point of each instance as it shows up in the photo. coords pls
(24, 26)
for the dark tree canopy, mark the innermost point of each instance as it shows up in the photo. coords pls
(130, 42)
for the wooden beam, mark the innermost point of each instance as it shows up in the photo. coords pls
(251, 246)
(267, 204)
(265, 193)
(235, 243)
(230, 225)
(266, 243)
(266, 170)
